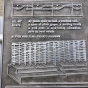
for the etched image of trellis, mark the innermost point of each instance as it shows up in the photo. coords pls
(48, 52)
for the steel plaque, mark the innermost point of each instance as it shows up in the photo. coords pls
(45, 43)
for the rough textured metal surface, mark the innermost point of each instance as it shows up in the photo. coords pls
(1, 7)
(23, 29)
